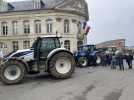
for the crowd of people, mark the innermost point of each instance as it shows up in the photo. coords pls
(117, 60)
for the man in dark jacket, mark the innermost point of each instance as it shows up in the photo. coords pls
(129, 59)
(120, 58)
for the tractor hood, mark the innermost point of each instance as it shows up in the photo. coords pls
(26, 54)
(80, 52)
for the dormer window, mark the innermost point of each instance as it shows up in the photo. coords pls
(3, 6)
(37, 4)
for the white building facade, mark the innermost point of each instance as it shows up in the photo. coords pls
(22, 22)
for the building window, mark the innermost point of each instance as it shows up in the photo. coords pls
(37, 26)
(26, 27)
(15, 27)
(49, 25)
(15, 45)
(4, 28)
(79, 25)
(26, 44)
(37, 4)
(67, 44)
(66, 26)
(1, 45)
(4, 45)
(79, 44)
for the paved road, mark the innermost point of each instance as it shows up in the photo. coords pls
(86, 84)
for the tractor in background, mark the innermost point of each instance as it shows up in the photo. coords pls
(87, 55)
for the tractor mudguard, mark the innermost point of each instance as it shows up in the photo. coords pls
(21, 61)
(55, 51)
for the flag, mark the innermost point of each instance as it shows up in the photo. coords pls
(84, 25)
(86, 28)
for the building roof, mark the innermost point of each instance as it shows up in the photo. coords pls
(29, 5)
(111, 41)
(75, 5)
(22, 5)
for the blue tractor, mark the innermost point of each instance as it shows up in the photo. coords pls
(87, 55)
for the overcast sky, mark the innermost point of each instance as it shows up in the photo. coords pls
(110, 19)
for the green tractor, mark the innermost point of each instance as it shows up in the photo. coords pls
(46, 55)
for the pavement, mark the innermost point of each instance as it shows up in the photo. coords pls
(89, 83)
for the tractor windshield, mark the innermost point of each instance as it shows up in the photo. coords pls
(56, 42)
(88, 48)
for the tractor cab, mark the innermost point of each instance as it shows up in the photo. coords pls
(85, 50)
(44, 45)
(88, 48)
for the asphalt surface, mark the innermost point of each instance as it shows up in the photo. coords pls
(86, 84)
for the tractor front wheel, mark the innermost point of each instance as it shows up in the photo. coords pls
(63, 65)
(98, 60)
(12, 72)
(83, 62)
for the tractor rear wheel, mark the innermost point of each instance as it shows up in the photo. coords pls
(12, 72)
(63, 65)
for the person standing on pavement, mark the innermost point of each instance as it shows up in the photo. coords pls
(113, 62)
(104, 60)
(129, 59)
(120, 58)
